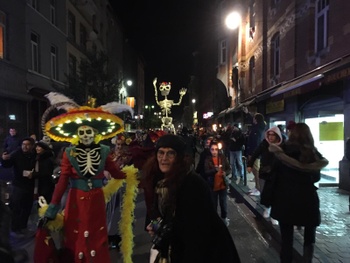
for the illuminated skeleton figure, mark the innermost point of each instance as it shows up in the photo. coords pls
(165, 105)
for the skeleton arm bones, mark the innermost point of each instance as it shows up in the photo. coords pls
(182, 92)
(155, 90)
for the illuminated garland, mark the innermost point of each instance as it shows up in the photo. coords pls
(127, 210)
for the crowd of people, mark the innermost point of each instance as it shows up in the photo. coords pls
(183, 177)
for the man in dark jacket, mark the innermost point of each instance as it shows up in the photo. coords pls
(21, 201)
(255, 137)
(235, 149)
(12, 141)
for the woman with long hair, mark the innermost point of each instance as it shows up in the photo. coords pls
(184, 225)
(295, 200)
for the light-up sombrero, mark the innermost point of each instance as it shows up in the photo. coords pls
(64, 127)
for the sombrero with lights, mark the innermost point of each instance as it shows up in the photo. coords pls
(64, 127)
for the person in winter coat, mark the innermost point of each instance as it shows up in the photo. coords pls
(272, 136)
(216, 168)
(203, 155)
(255, 137)
(21, 200)
(12, 142)
(190, 228)
(235, 146)
(294, 200)
(44, 169)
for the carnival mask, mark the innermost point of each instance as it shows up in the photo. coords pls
(86, 135)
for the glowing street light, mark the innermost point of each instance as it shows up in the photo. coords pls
(233, 20)
(129, 83)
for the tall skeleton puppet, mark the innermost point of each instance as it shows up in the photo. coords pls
(165, 105)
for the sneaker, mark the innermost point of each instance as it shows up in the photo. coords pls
(226, 221)
(266, 213)
(238, 180)
(255, 193)
(274, 221)
(252, 190)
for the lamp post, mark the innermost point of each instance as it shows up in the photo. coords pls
(194, 113)
(124, 84)
(233, 22)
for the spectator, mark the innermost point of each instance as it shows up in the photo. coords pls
(226, 138)
(235, 148)
(284, 135)
(190, 141)
(272, 136)
(21, 202)
(181, 199)
(216, 168)
(290, 126)
(43, 170)
(203, 156)
(255, 136)
(12, 142)
(295, 200)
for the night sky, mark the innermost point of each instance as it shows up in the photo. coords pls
(166, 33)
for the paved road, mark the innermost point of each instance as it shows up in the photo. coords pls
(249, 236)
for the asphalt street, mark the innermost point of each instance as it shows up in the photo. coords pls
(252, 242)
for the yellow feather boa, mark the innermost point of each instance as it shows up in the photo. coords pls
(127, 210)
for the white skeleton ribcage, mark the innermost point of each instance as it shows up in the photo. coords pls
(88, 160)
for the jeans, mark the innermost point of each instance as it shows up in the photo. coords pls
(287, 232)
(236, 163)
(220, 196)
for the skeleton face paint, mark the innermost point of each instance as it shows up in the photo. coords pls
(86, 135)
(165, 88)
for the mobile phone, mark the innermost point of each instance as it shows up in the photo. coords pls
(155, 224)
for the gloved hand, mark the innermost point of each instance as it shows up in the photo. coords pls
(43, 221)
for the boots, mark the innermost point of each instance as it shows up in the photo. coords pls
(308, 253)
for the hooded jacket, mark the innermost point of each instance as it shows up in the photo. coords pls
(266, 157)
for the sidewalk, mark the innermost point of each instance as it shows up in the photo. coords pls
(332, 236)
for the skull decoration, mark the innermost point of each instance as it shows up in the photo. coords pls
(86, 135)
(165, 88)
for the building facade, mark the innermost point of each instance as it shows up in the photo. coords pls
(290, 60)
(41, 45)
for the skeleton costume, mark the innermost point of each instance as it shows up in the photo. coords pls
(165, 105)
(85, 230)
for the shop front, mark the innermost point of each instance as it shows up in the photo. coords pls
(321, 99)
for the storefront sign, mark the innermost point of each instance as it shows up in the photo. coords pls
(331, 131)
(337, 76)
(274, 106)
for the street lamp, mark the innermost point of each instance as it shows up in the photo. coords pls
(194, 112)
(233, 21)
(124, 84)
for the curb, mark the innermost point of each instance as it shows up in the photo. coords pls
(240, 193)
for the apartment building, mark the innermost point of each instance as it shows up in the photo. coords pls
(290, 60)
(41, 45)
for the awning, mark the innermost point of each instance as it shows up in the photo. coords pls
(299, 82)
(248, 101)
(233, 109)
(313, 79)
(222, 113)
(265, 94)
